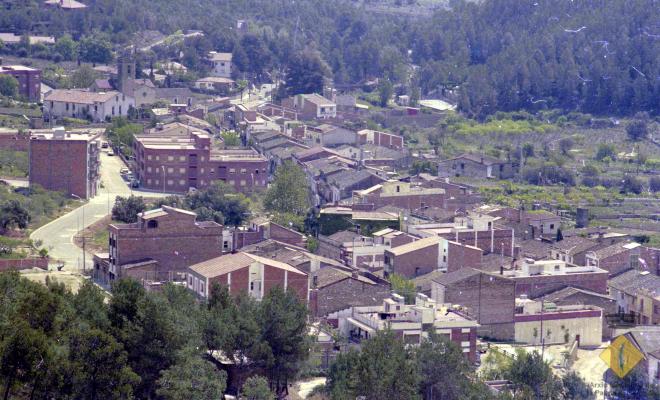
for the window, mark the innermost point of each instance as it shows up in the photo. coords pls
(182, 182)
(67, 106)
(119, 110)
(148, 169)
(96, 108)
(152, 224)
(556, 267)
(182, 158)
(182, 170)
(144, 94)
(243, 170)
(149, 157)
(552, 226)
(242, 182)
(170, 182)
(113, 110)
(170, 170)
(170, 158)
(232, 170)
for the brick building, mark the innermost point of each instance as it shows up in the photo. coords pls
(173, 162)
(335, 289)
(66, 162)
(478, 230)
(616, 258)
(476, 166)
(574, 296)
(29, 80)
(489, 298)
(573, 249)
(411, 322)
(538, 277)
(158, 247)
(415, 258)
(244, 272)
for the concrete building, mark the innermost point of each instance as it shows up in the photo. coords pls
(158, 247)
(95, 106)
(489, 298)
(330, 135)
(66, 162)
(176, 162)
(476, 166)
(29, 80)
(248, 273)
(637, 292)
(538, 277)
(221, 64)
(412, 322)
(571, 296)
(538, 322)
(400, 194)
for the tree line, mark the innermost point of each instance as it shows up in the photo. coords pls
(148, 345)
(596, 56)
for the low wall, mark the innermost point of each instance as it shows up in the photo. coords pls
(23, 263)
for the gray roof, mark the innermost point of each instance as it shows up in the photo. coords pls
(647, 338)
(349, 178)
(632, 281)
(456, 276)
(574, 245)
(568, 291)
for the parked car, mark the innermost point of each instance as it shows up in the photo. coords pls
(104, 145)
(135, 183)
(111, 153)
(124, 171)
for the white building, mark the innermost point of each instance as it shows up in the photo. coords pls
(96, 106)
(221, 64)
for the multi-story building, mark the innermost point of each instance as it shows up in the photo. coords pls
(312, 106)
(384, 139)
(158, 247)
(430, 254)
(411, 322)
(248, 273)
(637, 292)
(95, 106)
(483, 231)
(489, 298)
(616, 258)
(221, 64)
(405, 195)
(540, 322)
(66, 161)
(538, 277)
(176, 163)
(29, 80)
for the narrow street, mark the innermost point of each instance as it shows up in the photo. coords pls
(57, 236)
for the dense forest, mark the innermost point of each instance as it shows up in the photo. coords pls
(595, 56)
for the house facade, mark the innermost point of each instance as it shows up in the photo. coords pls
(29, 80)
(159, 246)
(246, 273)
(476, 166)
(221, 64)
(95, 106)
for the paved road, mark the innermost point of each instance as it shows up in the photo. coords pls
(57, 236)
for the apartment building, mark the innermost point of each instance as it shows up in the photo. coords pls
(158, 247)
(179, 161)
(29, 80)
(637, 292)
(411, 322)
(67, 162)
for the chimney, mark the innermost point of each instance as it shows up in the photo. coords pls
(354, 274)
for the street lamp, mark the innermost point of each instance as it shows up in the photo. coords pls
(83, 228)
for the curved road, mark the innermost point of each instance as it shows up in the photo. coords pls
(57, 236)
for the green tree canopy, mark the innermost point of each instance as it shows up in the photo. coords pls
(305, 73)
(288, 192)
(192, 378)
(126, 209)
(8, 85)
